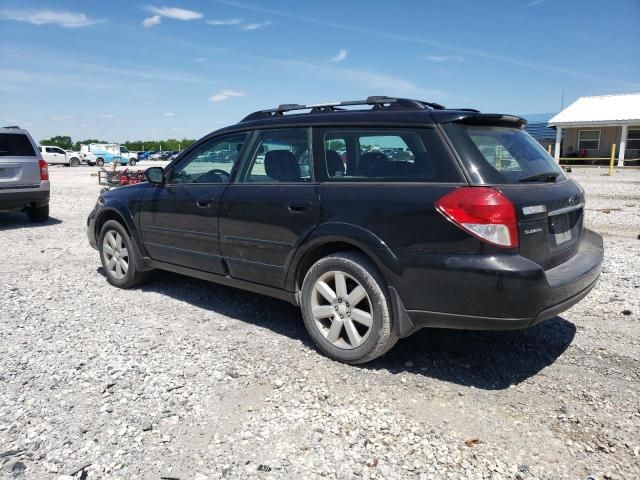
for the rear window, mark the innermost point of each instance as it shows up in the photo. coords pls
(15, 145)
(386, 155)
(502, 155)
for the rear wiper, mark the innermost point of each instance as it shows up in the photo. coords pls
(540, 177)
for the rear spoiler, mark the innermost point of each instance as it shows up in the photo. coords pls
(477, 118)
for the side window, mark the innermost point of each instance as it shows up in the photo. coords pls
(59, 150)
(495, 151)
(386, 156)
(280, 156)
(210, 162)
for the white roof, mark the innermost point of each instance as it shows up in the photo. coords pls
(602, 110)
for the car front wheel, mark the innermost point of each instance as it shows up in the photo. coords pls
(118, 256)
(100, 162)
(74, 162)
(346, 309)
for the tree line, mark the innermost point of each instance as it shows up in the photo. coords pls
(66, 143)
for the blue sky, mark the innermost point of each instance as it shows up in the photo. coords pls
(123, 70)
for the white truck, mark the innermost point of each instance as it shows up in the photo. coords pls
(101, 153)
(57, 156)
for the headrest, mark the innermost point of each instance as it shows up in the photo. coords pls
(282, 165)
(335, 167)
(369, 161)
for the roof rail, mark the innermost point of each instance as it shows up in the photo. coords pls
(377, 103)
(15, 127)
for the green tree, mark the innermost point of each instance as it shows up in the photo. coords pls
(61, 141)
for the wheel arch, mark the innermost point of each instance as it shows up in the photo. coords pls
(110, 214)
(114, 212)
(332, 238)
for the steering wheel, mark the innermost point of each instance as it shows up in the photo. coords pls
(225, 176)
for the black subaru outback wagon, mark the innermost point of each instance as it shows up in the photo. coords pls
(378, 217)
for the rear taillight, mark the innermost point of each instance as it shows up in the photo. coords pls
(44, 170)
(483, 212)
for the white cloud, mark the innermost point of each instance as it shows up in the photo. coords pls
(43, 17)
(108, 116)
(225, 94)
(200, 59)
(256, 26)
(442, 58)
(340, 56)
(175, 13)
(533, 3)
(151, 21)
(169, 114)
(225, 21)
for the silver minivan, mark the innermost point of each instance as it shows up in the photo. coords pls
(24, 176)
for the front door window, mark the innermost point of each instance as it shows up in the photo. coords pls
(210, 162)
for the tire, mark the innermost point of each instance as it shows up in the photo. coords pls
(100, 162)
(74, 162)
(38, 214)
(117, 239)
(350, 340)
(132, 162)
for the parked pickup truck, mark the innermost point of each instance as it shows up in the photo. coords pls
(57, 156)
(101, 153)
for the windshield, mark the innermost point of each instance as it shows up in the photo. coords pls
(502, 155)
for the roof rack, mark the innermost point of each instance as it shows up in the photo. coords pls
(377, 103)
(15, 127)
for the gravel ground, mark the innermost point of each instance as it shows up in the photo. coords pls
(188, 380)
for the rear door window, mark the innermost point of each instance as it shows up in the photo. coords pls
(502, 155)
(280, 156)
(15, 145)
(383, 155)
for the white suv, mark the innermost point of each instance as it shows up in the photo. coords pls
(56, 156)
(24, 177)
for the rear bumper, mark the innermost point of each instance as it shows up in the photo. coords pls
(502, 293)
(19, 198)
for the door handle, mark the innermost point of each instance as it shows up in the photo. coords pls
(203, 204)
(299, 207)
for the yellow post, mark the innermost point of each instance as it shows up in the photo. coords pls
(613, 156)
(549, 149)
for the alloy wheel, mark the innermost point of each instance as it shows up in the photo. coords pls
(342, 310)
(115, 254)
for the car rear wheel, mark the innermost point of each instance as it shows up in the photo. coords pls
(100, 162)
(38, 214)
(118, 256)
(346, 309)
(74, 162)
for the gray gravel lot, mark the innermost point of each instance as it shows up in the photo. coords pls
(184, 379)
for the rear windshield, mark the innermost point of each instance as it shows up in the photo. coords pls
(502, 155)
(15, 145)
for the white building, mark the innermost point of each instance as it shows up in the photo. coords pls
(593, 124)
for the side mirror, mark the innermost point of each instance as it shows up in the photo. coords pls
(155, 175)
